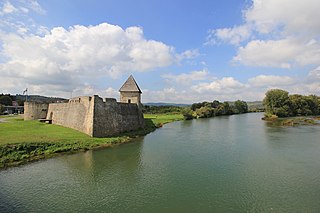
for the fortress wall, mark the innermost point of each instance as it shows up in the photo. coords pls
(76, 114)
(112, 118)
(33, 111)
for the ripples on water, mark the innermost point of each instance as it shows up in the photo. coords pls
(224, 164)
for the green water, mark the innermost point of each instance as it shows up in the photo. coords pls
(224, 164)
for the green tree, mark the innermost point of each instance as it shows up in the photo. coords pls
(187, 113)
(277, 102)
(204, 112)
(6, 100)
(241, 106)
(227, 108)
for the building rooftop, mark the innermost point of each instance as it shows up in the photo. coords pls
(130, 86)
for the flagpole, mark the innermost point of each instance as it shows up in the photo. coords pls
(26, 92)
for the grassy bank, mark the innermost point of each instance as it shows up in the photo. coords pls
(24, 141)
(160, 119)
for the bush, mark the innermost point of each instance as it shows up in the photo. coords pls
(187, 114)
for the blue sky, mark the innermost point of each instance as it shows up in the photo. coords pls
(178, 51)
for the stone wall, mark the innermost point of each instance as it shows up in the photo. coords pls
(112, 118)
(90, 115)
(76, 114)
(33, 111)
(134, 97)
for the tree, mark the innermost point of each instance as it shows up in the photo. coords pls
(187, 113)
(277, 102)
(205, 112)
(241, 106)
(227, 108)
(6, 100)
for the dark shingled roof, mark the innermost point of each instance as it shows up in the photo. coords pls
(130, 86)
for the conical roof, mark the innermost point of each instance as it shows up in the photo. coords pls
(130, 86)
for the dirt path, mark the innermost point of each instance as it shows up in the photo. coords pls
(2, 120)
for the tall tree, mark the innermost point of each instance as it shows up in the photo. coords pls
(6, 100)
(241, 106)
(277, 102)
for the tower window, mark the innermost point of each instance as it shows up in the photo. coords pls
(129, 101)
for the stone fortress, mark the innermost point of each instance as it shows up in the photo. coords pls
(93, 115)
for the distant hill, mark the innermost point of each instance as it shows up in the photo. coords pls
(255, 104)
(166, 104)
(39, 98)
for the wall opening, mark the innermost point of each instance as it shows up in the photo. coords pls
(129, 101)
(51, 115)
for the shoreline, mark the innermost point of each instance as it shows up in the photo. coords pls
(21, 153)
(292, 121)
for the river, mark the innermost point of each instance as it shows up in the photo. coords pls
(224, 164)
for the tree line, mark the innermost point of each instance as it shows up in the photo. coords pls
(215, 108)
(278, 102)
(161, 109)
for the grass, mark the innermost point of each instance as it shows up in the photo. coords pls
(161, 119)
(23, 141)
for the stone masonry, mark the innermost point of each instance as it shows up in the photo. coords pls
(93, 115)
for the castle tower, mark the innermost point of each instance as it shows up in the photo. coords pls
(130, 92)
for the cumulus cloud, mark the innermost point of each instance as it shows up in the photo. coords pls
(234, 35)
(292, 17)
(188, 54)
(230, 88)
(279, 53)
(64, 56)
(270, 80)
(280, 34)
(224, 85)
(187, 78)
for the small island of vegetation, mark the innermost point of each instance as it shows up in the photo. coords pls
(301, 109)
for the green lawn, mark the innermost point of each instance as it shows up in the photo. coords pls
(16, 130)
(160, 119)
(22, 141)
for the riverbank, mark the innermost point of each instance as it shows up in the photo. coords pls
(292, 121)
(26, 141)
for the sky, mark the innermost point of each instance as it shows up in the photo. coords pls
(179, 51)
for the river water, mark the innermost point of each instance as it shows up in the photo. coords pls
(224, 164)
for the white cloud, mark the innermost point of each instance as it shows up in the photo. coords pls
(111, 92)
(234, 35)
(291, 17)
(7, 8)
(282, 53)
(230, 89)
(285, 34)
(270, 80)
(63, 56)
(187, 78)
(15, 17)
(188, 54)
(35, 6)
(224, 85)
(314, 75)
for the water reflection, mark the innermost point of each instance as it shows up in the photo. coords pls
(224, 164)
(93, 164)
